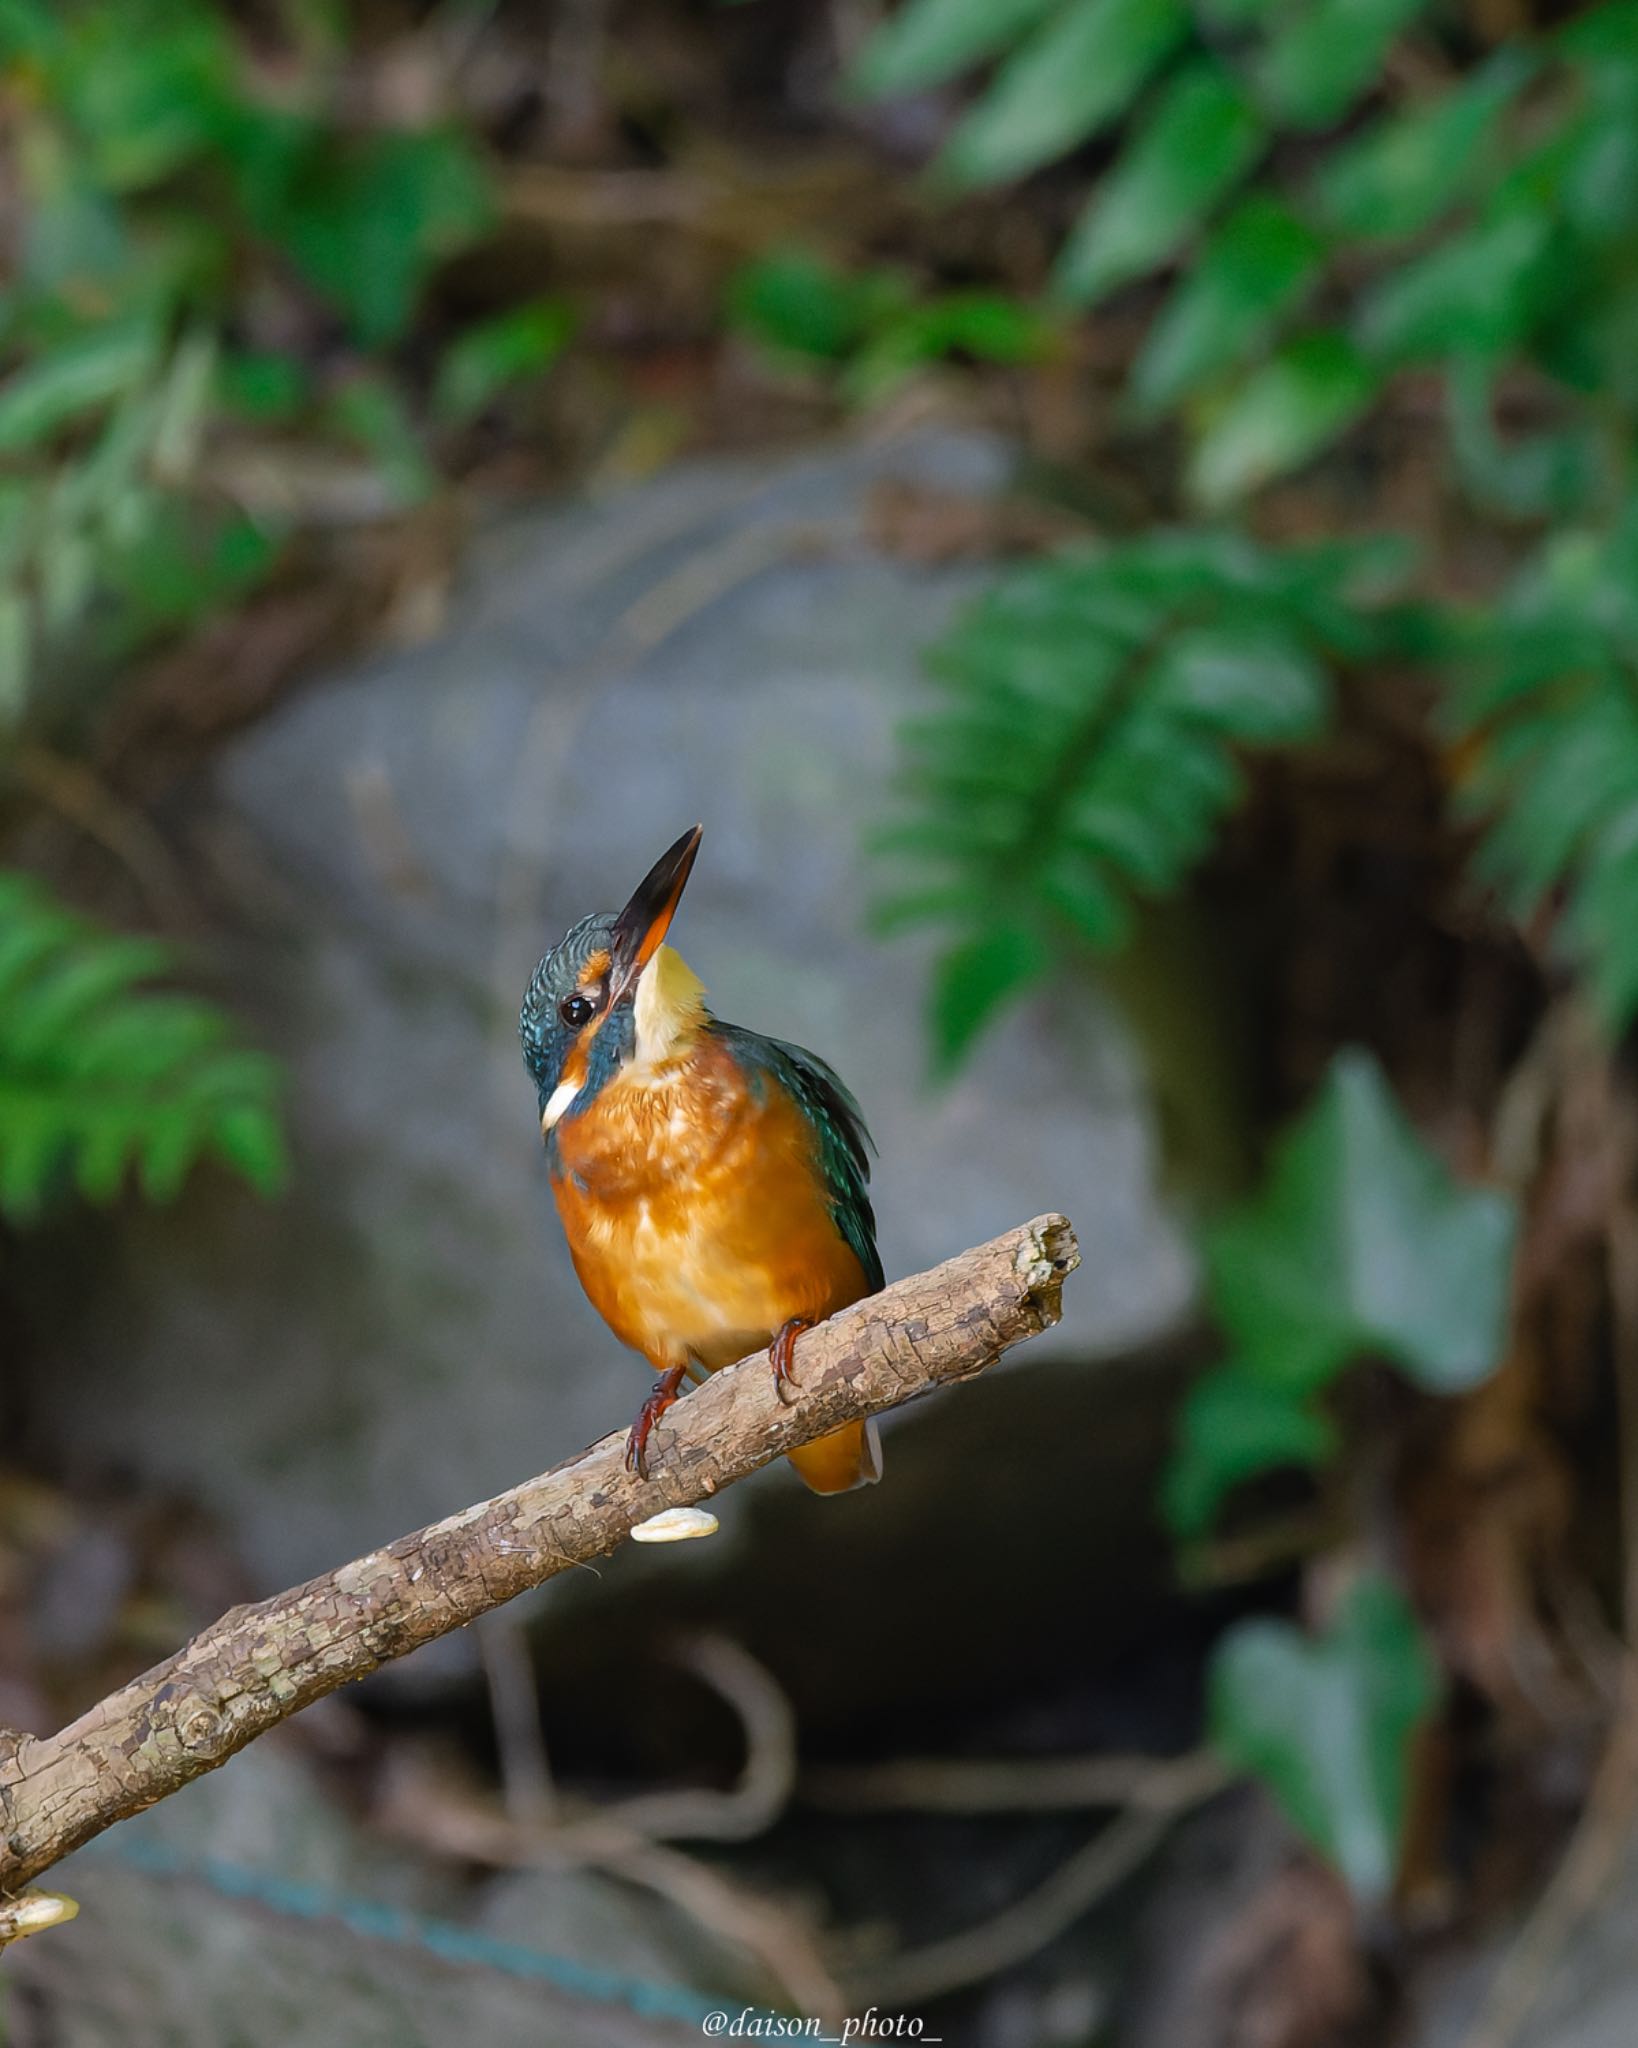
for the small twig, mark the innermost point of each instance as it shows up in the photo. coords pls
(514, 1708)
(765, 1784)
(75, 793)
(451, 1822)
(1074, 1888)
(258, 1665)
(1009, 1784)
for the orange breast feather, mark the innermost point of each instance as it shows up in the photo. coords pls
(695, 1212)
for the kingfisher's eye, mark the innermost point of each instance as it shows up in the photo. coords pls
(575, 1011)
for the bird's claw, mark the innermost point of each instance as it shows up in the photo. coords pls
(663, 1396)
(781, 1356)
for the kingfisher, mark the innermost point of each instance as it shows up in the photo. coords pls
(713, 1184)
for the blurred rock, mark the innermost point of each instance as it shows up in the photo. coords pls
(404, 1333)
(1577, 1989)
(247, 1909)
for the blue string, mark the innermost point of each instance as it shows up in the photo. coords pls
(440, 1938)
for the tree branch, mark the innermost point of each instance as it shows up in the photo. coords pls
(260, 1664)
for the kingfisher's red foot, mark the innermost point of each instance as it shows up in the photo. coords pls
(664, 1394)
(781, 1354)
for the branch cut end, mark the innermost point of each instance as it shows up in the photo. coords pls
(1048, 1252)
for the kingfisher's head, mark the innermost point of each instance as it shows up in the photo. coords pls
(610, 992)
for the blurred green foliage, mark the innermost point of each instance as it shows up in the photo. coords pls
(1481, 231)
(872, 328)
(180, 201)
(1546, 703)
(210, 247)
(1082, 750)
(102, 1076)
(1486, 221)
(1327, 1723)
(1316, 209)
(1358, 1245)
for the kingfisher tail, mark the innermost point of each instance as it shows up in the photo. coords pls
(848, 1457)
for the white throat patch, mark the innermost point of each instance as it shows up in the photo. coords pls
(557, 1102)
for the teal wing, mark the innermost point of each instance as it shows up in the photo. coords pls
(844, 1142)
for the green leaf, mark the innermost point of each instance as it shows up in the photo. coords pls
(1595, 181)
(487, 359)
(986, 326)
(1193, 147)
(1252, 271)
(249, 1138)
(187, 562)
(143, 84)
(1251, 680)
(973, 983)
(1322, 56)
(16, 656)
(81, 376)
(1534, 476)
(1547, 713)
(1085, 742)
(371, 409)
(929, 41)
(1076, 74)
(796, 301)
(262, 386)
(1360, 1244)
(1237, 14)
(1327, 1724)
(1598, 35)
(1408, 170)
(100, 1073)
(1282, 416)
(1234, 1427)
(367, 222)
(1473, 295)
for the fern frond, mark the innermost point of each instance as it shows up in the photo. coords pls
(1549, 724)
(102, 1076)
(1086, 747)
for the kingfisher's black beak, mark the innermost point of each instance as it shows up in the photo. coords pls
(642, 925)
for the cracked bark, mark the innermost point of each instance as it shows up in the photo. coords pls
(260, 1664)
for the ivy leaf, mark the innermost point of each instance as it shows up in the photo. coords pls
(1252, 271)
(1327, 1724)
(1284, 413)
(1193, 147)
(1234, 1427)
(1075, 75)
(367, 221)
(1360, 1243)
